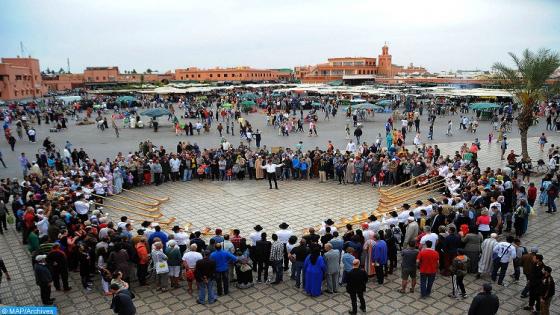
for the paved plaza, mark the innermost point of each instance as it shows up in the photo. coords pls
(301, 204)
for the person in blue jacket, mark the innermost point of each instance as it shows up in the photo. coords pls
(379, 256)
(222, 259)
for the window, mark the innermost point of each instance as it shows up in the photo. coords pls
(219, 75)
(96, 78)
(192, 75)
(225, 75)
(199, 75)
(210, 74)
(18, 77)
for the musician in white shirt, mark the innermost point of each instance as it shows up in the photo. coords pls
(271, 172)
(256, 235)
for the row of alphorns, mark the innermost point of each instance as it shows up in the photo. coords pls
(146, 208)
(393, 197)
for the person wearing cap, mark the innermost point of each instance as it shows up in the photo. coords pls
(485, 302)
(355, 286)
(412, 230)
(43, 279)
(503, 254)
(122, 303)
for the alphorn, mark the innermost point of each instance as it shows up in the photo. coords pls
(399, 185)
(405, 198)
(160, 200)
(128, 204)
(166, 223)
(410, 189)
(151, 204)
(429, 187)
(159, 215)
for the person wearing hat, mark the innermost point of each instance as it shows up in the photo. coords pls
(356, 285)
(43, 279)
(485, 302)
(328, 223)
(283, 237)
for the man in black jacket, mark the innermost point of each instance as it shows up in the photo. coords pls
(122, 301)
(485, 303)
(356, 285)
(43, 279)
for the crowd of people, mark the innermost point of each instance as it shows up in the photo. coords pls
(473, 227)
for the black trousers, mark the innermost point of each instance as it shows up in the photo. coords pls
(272, 177)
(141, 273)
(380, 274)
(262, 266)
(3, 223)
(58, 275)
(45, 294)
(286, 260)
(354, 298)
(157, 178)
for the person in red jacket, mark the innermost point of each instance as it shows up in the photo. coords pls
(428, 262)
(143, 260)
(531, 194)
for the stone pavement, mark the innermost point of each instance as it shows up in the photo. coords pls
(301, 204)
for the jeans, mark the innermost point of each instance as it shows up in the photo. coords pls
(426, 282)
(222, 174)
(552, 203)
(187, 175)
(457, 283)
(278, 271)
(332, 282)
(45, 294)
(503, 268)
(297, 267)
(204, 287)
(222, 282)
(358, 177)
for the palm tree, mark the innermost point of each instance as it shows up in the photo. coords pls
(528, 83)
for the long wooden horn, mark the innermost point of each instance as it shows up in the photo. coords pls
(159, 215)
(128, 204)
(151, 204)
(147, 196)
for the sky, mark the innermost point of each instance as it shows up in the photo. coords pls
(170, 34)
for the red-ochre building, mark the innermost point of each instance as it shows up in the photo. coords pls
(20, 79)
(348, 68)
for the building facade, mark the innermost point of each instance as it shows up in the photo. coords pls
(241, 74)
(348, 68)
(20, 79)
(63, 81)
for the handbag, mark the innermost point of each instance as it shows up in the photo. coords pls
(10, 219)
(162, 267)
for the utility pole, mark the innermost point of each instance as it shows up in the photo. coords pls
(68, 65)
(21, 49)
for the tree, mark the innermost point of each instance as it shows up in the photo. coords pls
(133, 71)
(528, 83)
(61, 71)
(148, 71)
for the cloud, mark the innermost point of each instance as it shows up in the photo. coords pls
(170, 34)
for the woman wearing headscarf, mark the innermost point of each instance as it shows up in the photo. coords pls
(314, 268)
